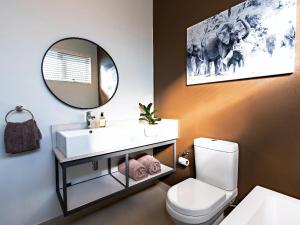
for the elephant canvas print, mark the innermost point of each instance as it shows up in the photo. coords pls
(253, 39)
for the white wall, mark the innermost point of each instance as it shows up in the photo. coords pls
(27, 29)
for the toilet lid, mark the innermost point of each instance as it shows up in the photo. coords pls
(195, 198)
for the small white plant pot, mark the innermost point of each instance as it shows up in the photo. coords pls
(151, 130)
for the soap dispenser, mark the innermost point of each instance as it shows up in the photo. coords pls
(102, 120)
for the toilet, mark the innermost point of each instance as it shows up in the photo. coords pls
(204, 199)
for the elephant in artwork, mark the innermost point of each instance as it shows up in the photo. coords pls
(194, 59)
(237, 60)
(217, 46)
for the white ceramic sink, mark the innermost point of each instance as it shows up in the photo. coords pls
(86, 141)
(115, 137)
(265, 207)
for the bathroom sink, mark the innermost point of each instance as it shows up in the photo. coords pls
(79, 142)
(115, 137)
(265, 207)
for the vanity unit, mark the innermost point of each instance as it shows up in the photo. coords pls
(94, 155)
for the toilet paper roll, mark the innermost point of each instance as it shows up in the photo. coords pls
(183, 161)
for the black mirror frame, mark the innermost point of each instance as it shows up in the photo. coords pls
(75, 107)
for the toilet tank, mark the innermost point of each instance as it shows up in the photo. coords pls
(217, 162)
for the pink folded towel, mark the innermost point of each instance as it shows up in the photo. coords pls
(136, 170)
(151, 164)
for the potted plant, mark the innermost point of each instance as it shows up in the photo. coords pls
(149, 116)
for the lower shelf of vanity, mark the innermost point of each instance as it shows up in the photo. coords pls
(92, 190)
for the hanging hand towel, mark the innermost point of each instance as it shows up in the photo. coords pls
(22, 137)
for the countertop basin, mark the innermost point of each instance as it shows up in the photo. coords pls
(115, 137)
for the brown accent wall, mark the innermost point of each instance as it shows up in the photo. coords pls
(262, 115)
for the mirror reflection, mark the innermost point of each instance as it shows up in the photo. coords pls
(80, 73)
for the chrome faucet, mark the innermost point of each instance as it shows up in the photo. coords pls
(89, 119)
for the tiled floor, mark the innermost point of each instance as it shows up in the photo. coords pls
(144, 208)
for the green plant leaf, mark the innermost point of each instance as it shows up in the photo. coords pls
(147, 115)
(149, 106)
(142, 107)
(146, 110)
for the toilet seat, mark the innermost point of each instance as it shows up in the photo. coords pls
(195, 198)
(192, 219)
(213, 207)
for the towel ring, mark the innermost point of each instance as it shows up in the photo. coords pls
(18, 109)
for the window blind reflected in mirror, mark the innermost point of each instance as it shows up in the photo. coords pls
(59, 66)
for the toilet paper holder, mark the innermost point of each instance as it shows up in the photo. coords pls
(182, 158)
(184, 154)
(183, 161)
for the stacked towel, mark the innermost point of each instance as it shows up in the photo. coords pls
(22, 137)
(151, 164)
(136, 170)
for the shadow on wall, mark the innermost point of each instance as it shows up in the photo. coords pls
(262, 115)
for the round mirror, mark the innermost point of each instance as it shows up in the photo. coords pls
(80, 73)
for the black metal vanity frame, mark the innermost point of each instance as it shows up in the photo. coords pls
(63, 198)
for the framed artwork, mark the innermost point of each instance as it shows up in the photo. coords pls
(253, 39)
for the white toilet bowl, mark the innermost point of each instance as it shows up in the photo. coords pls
(203, 200)
(195, 202)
